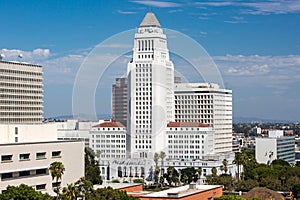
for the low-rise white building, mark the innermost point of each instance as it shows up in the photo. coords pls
(277, 147)
(73, 129)
(109, 139)
(189, 140)
(14, 133)
(29, 163)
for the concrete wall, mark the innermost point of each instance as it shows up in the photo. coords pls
(72, 156)
(11, 133)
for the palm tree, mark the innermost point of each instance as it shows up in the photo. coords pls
(156, 158)
(214, 171)
(56, 170)
(199, 171)
(224, 166)
(238, 161)
(70, 192)
(162, 156)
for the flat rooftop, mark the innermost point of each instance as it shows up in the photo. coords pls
(182, 191)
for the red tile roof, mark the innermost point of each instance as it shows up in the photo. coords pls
(110, 124)
(186, 124)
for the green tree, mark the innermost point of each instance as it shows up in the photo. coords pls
(161, 181)
(238, 161)
(92, 170)
(156, 174)
(108, 193)
(71, 192)
(228, 197)
(162, 156)
(296, 190)
(214, 172)
(199, 172)
(23, 192)
(155, 159)
(190, 173)
(224, 166)
(56, 170)
(172, 176)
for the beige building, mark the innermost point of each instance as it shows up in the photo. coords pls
(21, 95)
(29, 163)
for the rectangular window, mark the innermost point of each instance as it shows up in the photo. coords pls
(56, 184)
(6, 158)
(56, 153)
(6, 175)
(41, 155)
(41, 171)
(24, 156)
(40, 187)
(16, 131)
(24, 173)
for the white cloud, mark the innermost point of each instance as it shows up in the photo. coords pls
(277, 72)
(160, 4)
(126, 12)
(36, 54)
(259, 7)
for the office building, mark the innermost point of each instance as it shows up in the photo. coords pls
(29, 163)
(209, 104)
(276, 146)
(21, 95)
(189, 140)
(74, 129)
(119, 101)
(108, 139)
(27, 145)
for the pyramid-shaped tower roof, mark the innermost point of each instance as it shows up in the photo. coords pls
(150, 20)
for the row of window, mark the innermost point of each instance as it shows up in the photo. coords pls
(26, 156)
(25, 173)
(193, 96)
(21, 85)
(10, 108)
(10, 78)
(7, 96)
(21, 102)
(108, 136)
(108, 141)
(8, 71)
(185, 146)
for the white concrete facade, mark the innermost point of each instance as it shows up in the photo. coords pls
(14, 133)
(269, 149)
(73, 129)
(29, 163)
(150, 90)
(209, 104)
(189, 143)
(21, 93)
(109, 140)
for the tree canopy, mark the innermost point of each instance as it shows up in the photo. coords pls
(23, 192)
(92, 170)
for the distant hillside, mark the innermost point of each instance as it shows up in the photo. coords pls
(63, 117)
(259, 120)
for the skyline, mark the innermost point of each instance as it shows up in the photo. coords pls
(254, 44)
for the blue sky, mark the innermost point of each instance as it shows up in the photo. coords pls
(255, 44)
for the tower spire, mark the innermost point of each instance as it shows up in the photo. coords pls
(150, 20)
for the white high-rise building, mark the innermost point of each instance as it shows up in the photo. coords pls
(150, 90)
(209, 104)
(21, 98)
